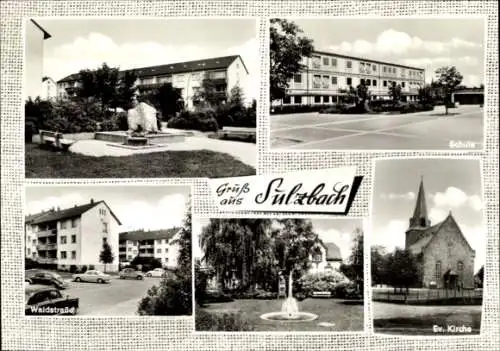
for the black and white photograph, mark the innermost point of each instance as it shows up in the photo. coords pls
(411, 83)
(108, 250)
(428, 244)
(275, 275)
(140, 98)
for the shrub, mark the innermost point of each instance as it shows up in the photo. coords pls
(216, 297)
(286, 109)
(73, 268)
(346, 290)
(91, 267)
(310, 283)
(203, 121)
(221, 322)
(30, 263)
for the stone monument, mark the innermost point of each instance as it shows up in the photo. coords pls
(142, 118)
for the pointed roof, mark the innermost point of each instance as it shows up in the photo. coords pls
(421, 205)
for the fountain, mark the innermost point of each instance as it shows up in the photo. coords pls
(289, 309)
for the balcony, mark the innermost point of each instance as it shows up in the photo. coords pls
(147, 246)
(145, 254)
(46, 233)
(49, 246)
(47, 260)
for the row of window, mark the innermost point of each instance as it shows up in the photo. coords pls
(64, 255)
(324, 81)
(63, 239)
(137, 242)
(180, 78)
(157, 250)
(70, 222)
(439, 273)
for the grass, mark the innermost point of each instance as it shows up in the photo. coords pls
(42, 163)
(344, 315)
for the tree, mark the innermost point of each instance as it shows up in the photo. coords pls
(146, 263)
(395, 91)
(287, 49)
(354, 269)
(101, 84)
(362, 93)
(403, 269)
(426, 94)
(168, 100)
(378, 265)
(448, 78)
(210, 93)
(480, 277)
(106, 255)
(126, 90)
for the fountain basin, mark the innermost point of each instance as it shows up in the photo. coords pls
(289, 317)
(156, 138)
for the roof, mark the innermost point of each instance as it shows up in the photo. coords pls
(150, 235)
(365, 59)
(57, 215)
(420, 206)
(332, 252)
(46, 34)
(31, 217)
(174, 68)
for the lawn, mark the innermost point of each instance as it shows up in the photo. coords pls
(341, 315)
(42, 163)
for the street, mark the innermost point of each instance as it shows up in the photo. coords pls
(430, 130)
(117, 298)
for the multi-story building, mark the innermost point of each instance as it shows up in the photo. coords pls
(49, 89)
(226, 72)
(324, 257)
(159, 244)
(73, 236)
(328, 76)
(35, 36)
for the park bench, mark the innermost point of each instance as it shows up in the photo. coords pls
(239, 132)
(321, 294)
(54, 140)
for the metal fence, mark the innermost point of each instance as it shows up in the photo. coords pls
(425, 295)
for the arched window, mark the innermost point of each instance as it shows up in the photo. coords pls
(460, 268)
(438, 271)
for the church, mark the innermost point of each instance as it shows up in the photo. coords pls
(446, 258)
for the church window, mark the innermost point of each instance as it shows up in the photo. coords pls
(460, 268)
(422, 222)
(438, 271)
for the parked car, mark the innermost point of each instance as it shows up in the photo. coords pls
(92, 276)
(43, 300)
(35, 276)
(130, 273)
(156, 273)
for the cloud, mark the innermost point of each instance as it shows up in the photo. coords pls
(393, 42)
(437, 215)
(64, 201)
(166, 213)
(92, 50)
(391, 235)
(407, 196)
(342, 239)
(455, 198)
(476, 237)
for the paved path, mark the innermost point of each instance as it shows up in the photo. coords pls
(430, 130)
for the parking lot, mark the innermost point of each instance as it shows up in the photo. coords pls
(431, 130)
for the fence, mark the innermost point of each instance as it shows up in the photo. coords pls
(430, 296)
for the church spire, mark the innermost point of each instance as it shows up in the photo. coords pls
(420, 218)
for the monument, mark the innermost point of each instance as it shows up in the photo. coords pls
(142, 118)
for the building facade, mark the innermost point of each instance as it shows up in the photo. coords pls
(33, 56)
(445, 256)
(73, 236)
(226, 73)
(324, 257)
(328, 76)
(49, 89)
(159, 244)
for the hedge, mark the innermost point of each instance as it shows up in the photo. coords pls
(206, 321)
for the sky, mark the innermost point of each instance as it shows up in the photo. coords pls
(338, 231)
(449, 184)
(137, 207)
(131, 43)
(427, 43)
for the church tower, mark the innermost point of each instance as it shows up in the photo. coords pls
(419, 222)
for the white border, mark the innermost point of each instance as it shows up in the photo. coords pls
(370, 216)
(366, 320)
(481, 150)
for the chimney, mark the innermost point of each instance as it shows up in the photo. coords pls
(58, 208)
(91, 201)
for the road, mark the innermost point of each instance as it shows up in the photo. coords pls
(117, 298)
(462, 129)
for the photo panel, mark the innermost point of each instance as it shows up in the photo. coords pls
(428, 246)
(115, 250)
(374, 83)
(278, 274)
(153, 97)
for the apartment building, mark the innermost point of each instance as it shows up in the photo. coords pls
(324, 257)
(159, 244)
(73, 236)
(226, 72)
(327, 77)
(49, 89)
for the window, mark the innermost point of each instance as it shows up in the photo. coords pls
(334, 62)
(326, 99)
(402, 84)
(325, 83)
(34, 241)
(374, 68)
(460, 267)
(129, 249)
(384, 69)
(63, 239)
(102, 212)
(73, 255)
(63, 224)
(349, 81)
(104, 240)
(362, 81)
(316, 62)
(34, 254)
(73, 239)
(104, 227)
(286, 100)
(385, 83)
(374, 82)
(317, 82)
(63, 255)
(368, 82)
(158, 251)
(297, 78)
(438, 271)
(74, 223)
(317, 99)
(28, 251)
(326, 61)
(298, 99)
(348, 64)
(29, 239)
(334, 80)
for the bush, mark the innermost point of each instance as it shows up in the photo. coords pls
(203, 121)
(146, 263)
(117, 121)
(346, 290)
(258, 294)
(30, 264)
(310, 283)
(91, 267)
(205, 321)
(73, 268)
(216, 297)
(286, 109)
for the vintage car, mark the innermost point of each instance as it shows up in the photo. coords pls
(156, 273)
(130, 273)
(92, 276)
(43, 300)
(35, 276)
